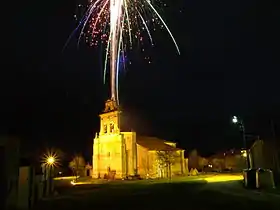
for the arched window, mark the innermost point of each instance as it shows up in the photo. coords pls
(111, 127)
(105, 128)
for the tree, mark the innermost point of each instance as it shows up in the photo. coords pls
(77, 165)
(144, 164)
(165, 161)
(88, 169)
(193, 159)
(202, 162)
(218, 164)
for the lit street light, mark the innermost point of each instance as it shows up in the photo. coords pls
(239, 122)
(234, 119)
(50, 161)
(243, 153)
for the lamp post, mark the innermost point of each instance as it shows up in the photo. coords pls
(239, 122)
(50, 162)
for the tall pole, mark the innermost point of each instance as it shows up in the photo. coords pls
(245, 144)
(50, 182)
(45, 180)
(275, 146)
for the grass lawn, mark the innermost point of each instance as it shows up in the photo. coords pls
(145, 194)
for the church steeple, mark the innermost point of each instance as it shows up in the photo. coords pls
(110, 118)
(110, 105)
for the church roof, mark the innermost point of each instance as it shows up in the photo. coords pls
(153, 143)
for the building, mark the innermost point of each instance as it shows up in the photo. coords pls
(230, 160)
(19, 188)
(264, 154)
(121, 153)
(217, 162)
(257, 157)
(30, 185)
(9, 161)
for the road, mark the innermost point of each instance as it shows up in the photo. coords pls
(205, 192)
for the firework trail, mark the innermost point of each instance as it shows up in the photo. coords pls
(117, 23)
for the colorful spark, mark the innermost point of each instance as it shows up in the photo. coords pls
(117, 24)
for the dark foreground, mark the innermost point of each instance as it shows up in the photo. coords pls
(152, 195)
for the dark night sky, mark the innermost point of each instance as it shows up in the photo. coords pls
(229, 65)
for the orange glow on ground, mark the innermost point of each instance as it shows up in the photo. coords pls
(65, 178)
(223, 178)
(80, 183)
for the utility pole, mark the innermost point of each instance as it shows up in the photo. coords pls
(275, 157)
(240, 122)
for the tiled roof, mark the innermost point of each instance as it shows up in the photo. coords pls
(153, 143)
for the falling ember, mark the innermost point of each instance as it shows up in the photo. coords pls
(117, 23)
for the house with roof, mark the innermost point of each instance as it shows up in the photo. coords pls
(123, 153)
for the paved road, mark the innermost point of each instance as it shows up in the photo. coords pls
(207, 192)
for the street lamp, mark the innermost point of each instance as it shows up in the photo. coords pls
(234, 119)
(243, 153)
(50, 162)
(239, 122)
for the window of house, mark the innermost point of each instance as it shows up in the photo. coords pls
(111, 127)
(105, 128)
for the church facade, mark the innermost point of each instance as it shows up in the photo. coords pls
(124, 154)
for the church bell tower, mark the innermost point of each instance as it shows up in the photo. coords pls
(114, 150)
(110, 118)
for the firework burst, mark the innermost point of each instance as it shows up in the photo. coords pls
(119, 24)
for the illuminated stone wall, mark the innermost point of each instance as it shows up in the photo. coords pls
(142, 161)
(179, 166)
(146, 162)
(130, 153)
(108, 154)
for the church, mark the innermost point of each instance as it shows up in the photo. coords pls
(125, 154)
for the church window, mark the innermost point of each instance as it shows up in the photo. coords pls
(105, 128)
(111, 127)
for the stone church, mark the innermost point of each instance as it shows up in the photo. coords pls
(124, 153)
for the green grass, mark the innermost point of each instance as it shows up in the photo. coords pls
(181, 193)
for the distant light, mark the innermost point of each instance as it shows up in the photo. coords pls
(244, 153)
(234, 119)
(210, 166)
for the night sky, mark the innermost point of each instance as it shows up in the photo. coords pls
(229, 65)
